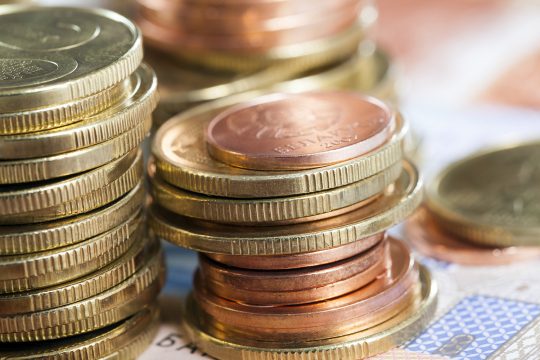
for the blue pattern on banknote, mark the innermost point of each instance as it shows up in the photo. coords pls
(181, 264)
(475, 328)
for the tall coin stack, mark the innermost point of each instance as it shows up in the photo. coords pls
(217, 49)
(288, 199)
(476, 214)
(78, 276)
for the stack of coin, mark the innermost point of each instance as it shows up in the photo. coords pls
(483, 210)
(288, 198)
(75, 262)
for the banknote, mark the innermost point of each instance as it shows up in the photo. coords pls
(483, 312)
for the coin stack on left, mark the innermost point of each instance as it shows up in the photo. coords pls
(78, 275)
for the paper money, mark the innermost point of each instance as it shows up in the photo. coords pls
(483, 312)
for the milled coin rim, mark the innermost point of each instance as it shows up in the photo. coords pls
(474, 229)
(283, 240)
(38, 270)
(111, 306)
(38, 169)
(82, 288)
(92, 130)
(374, 341)
(125, 340)
(270, 210)
(259, 184)
(88, 84)
(31, 238)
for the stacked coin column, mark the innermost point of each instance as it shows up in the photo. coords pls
(288, 199)
(75, 103)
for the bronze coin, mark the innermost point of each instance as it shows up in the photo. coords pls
(385, 297)
(295, 261)
(297, 286)
(299, 131)
(423, 232)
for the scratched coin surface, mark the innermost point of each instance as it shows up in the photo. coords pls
(491, 197)
(300, 131)
(52, 55)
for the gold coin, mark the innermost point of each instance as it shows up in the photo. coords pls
(125, 340)
(31, 238)
(38, 270)
(305, 55)
(63, 114)
(299, 208)
(52, 55)
(99, 128)
(104, 309)
(179, 149)
(491, 197)
(81, 288)
(75, 195)
(399, 201)
(45, 168)
(360, 345)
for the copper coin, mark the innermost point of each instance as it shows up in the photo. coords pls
(295, 261)
(382, 299)
(299, 131)
(246, 43)
(430, 239)
(298, 286)
(229, 20)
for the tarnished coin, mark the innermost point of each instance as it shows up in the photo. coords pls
(82, 288)
(296, 286)
(125, 340)
(299, 131)
(426, 235)
(53, 55)
(93, 130)
(491, 198)
(38, 270)
(183, 160)
(392, 207)
(272, 211)
(96, 312)
(75, 195)
(51, 167)
(31, 238)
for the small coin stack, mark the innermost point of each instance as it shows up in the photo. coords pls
(288, 199)
(483, 210)
(220, 49)
(78, 275)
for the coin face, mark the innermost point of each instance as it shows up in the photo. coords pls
(494, 192)
(53, 46)
(301, 131)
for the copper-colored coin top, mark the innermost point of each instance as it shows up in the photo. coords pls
(428, 237)
(299, 131)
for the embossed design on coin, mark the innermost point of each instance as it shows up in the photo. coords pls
(284, 131)
(18, 72)
(46, 31)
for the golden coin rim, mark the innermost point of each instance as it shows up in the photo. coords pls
(269, 241)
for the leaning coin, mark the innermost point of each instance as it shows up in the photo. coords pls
(182, 159)
(31, 238)
(45, 168)
(280, 210)
(492, 197)
(39, 270)
(125, 340)
(104, 309)
(82, 288)
(93, 130)
(55, 55)
(392, 207)
(52, 200)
